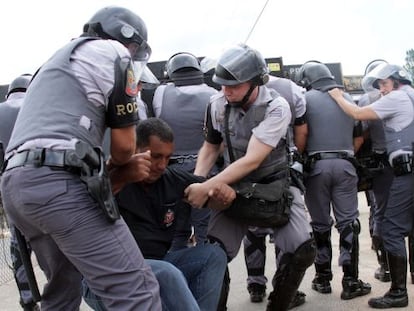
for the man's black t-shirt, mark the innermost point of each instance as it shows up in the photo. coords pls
(155, 212)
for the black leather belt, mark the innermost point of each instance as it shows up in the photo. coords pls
(57, 159)
(330, 155)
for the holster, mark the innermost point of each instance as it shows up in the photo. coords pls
(95, 175)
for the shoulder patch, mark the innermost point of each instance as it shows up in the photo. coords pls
(131, 85)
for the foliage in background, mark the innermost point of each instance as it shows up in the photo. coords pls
(409, 65)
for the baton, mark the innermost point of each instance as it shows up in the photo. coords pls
(27, 263)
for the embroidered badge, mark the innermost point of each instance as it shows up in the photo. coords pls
(169, 218)
(131, 87)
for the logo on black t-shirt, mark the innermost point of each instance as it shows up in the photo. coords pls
(169, 218)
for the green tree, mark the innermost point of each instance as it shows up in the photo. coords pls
(409, 58)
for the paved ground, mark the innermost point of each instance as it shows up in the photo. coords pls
(239, 299)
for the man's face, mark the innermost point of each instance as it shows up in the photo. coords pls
(235, 93)
(160, 155)
(385, 86)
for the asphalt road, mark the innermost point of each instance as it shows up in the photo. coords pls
(239, 297)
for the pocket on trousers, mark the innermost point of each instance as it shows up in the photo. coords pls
(350, 171)
(315, 172)
(43, 193)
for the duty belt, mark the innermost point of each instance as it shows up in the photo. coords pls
(329, 155)
(183, 159)
(58, 159)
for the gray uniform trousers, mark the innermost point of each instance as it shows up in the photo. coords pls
(381, 184)
(71, 237)
(288, 238)
(332, 183)
(255, 254)
(399, 215)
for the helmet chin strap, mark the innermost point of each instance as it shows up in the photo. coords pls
(243, 103)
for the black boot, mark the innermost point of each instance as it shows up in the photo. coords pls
(383, 272)
(298, 300)
(397, 296)
(30, 306)
(411, 255)
(289, 275)
(322, 281)
(351, 286)
(257, 292)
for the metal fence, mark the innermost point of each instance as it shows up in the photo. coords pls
(6, 271)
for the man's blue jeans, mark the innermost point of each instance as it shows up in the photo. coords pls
(174, 291)
(203, 267)
(189, 279)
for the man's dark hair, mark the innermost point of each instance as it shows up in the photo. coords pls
(155, 127)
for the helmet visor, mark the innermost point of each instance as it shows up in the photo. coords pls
(381, 72)
(148, 79)
(140, 52)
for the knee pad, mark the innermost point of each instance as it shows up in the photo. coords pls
(350, 233)
(305, 254)
(323, 239)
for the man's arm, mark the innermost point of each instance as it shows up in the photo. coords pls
(354, 111)
(301, 136)
(136, 170)
(197, 194)
(122, 145)
(206, 159)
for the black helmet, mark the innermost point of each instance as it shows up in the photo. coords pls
(240, 64)
(385, 71)
(182, 61)
(315, 75)
(120, 24)
(373, 64)
(20, 84)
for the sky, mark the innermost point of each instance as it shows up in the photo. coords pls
(351, 32)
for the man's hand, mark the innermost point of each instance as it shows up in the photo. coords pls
(137, 169)
(140, 166)
(336, 93)
(221, 196)
(196, 194)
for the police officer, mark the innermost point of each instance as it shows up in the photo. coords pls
(381, 175)
(255, 240)
(396, 110)
(331, 181)
(182, 104)
(67, 222)
(257, 124)
(8, 114)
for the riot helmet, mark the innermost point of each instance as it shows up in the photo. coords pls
(373, 64)
(385, 71)
(240, 64)
(120, 24)
(182, 61)
(184, 68)
(126, 27)
(315, 75)
(19, 84)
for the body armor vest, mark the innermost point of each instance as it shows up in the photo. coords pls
(330, 129)
(56, 105)
(240, 130)
(184, 112)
